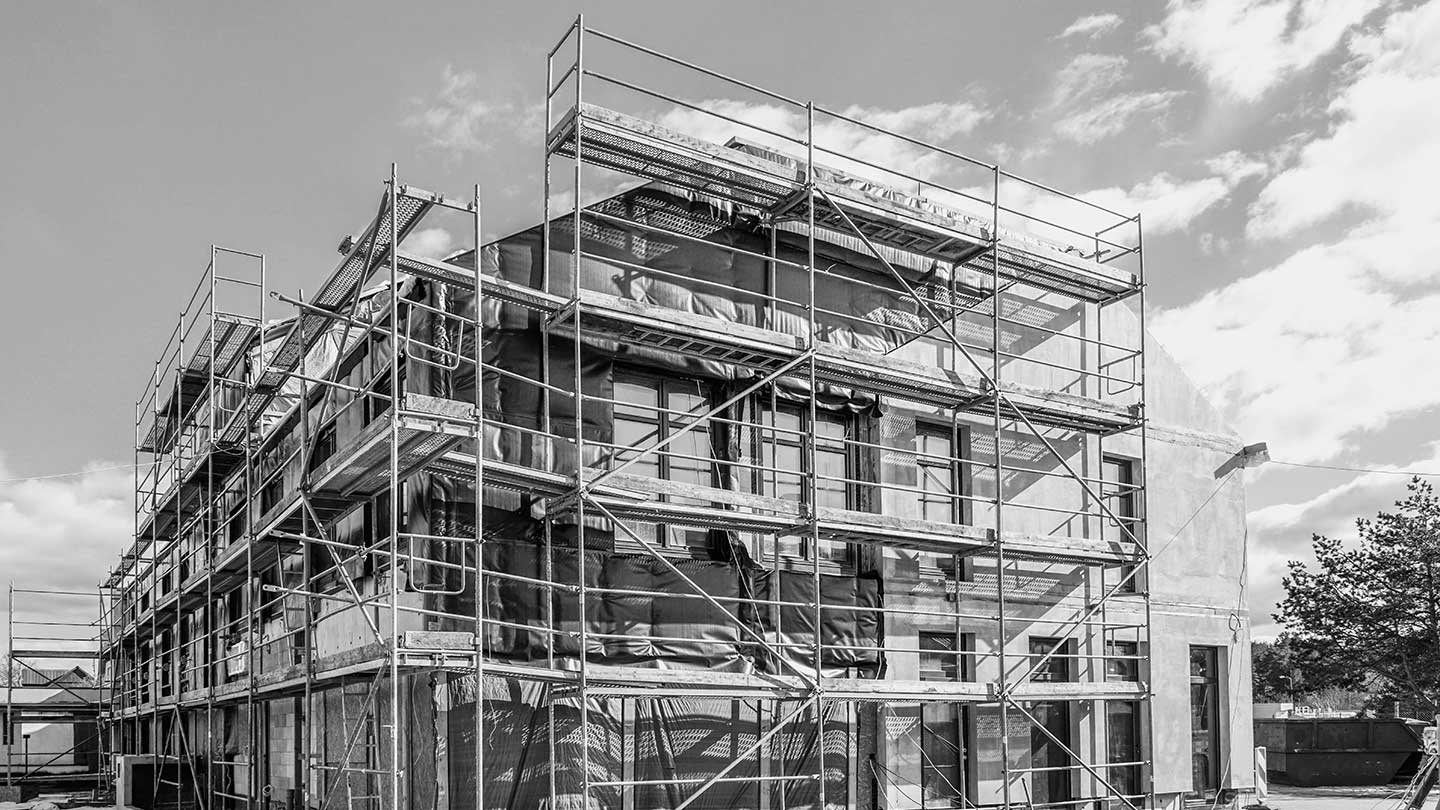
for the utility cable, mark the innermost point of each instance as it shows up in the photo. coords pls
(1338, 468)
(75, 473)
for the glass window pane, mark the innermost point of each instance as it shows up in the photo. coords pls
(1122, 663)
(1122, 725)
(942, 777)
(831, 453)
(939, 659)
(1057, 668)
(637, 425)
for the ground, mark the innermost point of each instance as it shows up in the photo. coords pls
(1384, 797)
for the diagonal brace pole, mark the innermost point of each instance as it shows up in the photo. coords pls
(354, 735)
(984, 375)
(344, 575)
(752, 748)
(813, 683)
(1076, 757)
(1140, 564)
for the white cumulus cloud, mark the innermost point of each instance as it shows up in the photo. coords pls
(464, 115)
(63, 534)
(1245, 47)
(431, 243)
(1382, 147)
(1106, 118)
(1091, 26)
(1336, 340)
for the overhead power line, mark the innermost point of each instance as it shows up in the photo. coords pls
(1339, 468)
(75, 473)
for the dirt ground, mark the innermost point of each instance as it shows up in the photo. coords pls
(1385, 797)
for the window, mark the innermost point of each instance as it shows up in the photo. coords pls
(1122, 745)
(784, 456)
(1122, 661)
(1057, 669)
(1054, 784)
(940, 483)
(1205, 718)
(1121, 492)
(940, 660)
(655, 409)
(940, 473)
(1122, 719)
(7, 732)
(943, 750)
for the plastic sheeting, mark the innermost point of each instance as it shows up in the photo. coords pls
(669, 741)
(642, 613)
(860, 305)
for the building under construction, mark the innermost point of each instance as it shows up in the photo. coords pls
(779, 475)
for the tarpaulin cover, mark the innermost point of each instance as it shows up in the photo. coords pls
(658, 620)
(669, 741)
(859, 303)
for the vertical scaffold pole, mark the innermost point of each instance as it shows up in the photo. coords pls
(812, 479)
(306, 527)
(545, 445)
(478, 331)
(579, 422)
(251, 754)
(10, 674)
(1144, 522)
(209, 557)
(396, 400)
(998, 425)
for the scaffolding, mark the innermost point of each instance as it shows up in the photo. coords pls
(53, 692)
(357, 470)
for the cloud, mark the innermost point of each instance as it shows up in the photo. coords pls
(1168, 204)
(1322, 348)
(1281, 532)
(1245, 47)
(64, 534)
(1084, 108)
(431, 243)
(1381, 145)
(1086, 75)
(464, 116)
(1165, 203)
(1091, 27)
(1341, 358)
(1236, 166)
(1095, 122)
(454, 120)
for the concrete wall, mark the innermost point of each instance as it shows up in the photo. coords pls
(1195, 529)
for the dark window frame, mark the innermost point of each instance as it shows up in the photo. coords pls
(1127, 748)
(1121, 493)
(937, 790)
(1208, 684)
(859, 462)
(662, 418)
(1061, 668)
(1121, 661)
(961, 568)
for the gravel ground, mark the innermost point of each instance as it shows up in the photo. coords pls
(1383, 797)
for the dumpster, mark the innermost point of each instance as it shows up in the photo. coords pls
(1319, 751)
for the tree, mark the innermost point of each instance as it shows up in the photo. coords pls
(1368, 613)
(1284, 671)
(1273, 672)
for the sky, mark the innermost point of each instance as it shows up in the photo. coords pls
(1278, 150)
